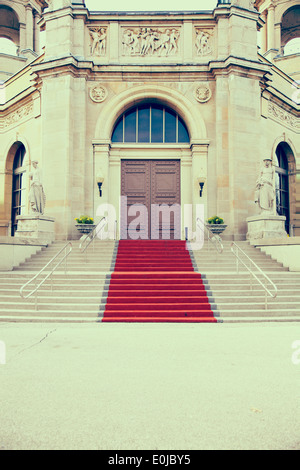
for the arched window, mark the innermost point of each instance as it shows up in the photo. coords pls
(18, 170)
(282, 184)
(9, 30)
(150, 123)
(290, 30)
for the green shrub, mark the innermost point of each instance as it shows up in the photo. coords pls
(215, 220)
(84, 219)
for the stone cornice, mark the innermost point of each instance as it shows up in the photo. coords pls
(78, 66)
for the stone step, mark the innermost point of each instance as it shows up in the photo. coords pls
(57, 315)
(44, 297)
(259, 315)
(281, 307)
(50, 305)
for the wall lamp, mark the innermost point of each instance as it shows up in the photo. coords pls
(201, 182)
(100, 180)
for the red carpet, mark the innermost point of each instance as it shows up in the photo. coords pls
(154, 281)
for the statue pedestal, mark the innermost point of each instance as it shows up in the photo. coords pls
(266, 226)
(36, 227)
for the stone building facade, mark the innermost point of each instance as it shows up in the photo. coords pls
(163, 108)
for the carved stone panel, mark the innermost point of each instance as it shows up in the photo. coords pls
(146, 41)
(203, 43)
(98, 40)
(17, 116)
(280, 115)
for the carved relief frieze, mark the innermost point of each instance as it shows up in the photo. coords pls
(98, 41)
(203, 42)
(16, 116)
(281, 115)
(146, 41)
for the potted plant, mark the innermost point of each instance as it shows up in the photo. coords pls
(85, 224)
(216, 224)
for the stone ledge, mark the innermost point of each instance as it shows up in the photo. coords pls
(282, 241)
(6, 240)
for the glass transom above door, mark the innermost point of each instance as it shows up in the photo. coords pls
(150, 123)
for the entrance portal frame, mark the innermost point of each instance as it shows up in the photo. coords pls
(193, 156)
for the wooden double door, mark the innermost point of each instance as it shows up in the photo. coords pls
(150, 203)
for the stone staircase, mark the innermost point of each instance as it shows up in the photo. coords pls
(76, 296)
(236, 296)
(80, 294)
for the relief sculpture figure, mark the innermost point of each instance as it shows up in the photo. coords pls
(98, 36)
(202, 43)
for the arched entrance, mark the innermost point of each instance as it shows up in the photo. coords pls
(17, 187)
(191, 153)
(150, 188)
(284, 163)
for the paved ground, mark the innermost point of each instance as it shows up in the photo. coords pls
(150, 386)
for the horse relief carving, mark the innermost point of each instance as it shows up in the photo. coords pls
(150, 41)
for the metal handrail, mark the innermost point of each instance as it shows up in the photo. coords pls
(216, 240)
(36, 288)
(91, 235)
(235, 250)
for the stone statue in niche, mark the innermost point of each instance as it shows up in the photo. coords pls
(264, 192)
(203, 43)
(98, 41)
(37, 196)
(148, 41)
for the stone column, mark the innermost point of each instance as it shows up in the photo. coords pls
(186, 187)
(199, 171)
(36, 44)
(277, 39)
(29, 28)
(264, 40)
(114, 190)
(270, 26)
(101, 169)
(22, 37)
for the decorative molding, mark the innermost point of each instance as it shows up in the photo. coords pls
(203, 42)
(98, 39)
(98, 93)
(280, 115)
(203, 93)
(16, 116)
(150, 41)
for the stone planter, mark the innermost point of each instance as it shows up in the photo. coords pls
(85, 228)
(217, 229)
